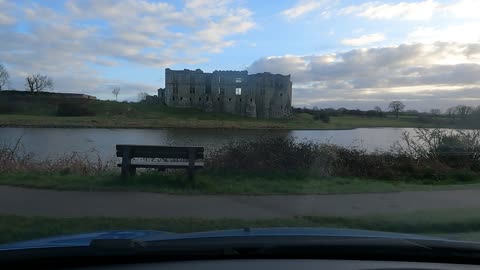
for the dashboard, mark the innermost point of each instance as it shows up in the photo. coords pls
(281, 264)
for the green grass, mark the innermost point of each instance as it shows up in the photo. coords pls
(109, 114)
(458, 224)
(209, 183)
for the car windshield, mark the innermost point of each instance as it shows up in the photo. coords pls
(201, 115)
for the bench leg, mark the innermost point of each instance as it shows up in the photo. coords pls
(191, 163)
(191, 174)
(132, 171)
(126, 169)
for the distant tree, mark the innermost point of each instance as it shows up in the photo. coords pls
(115, 92)
(37, 83)
(142, 96)
(451, 111)
(377, 109)
(4, 76)
(463, 111)
(396, 107)
(435, 111)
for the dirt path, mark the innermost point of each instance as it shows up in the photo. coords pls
(36, 202)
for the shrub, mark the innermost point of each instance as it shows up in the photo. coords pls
(6, 106)
(73, 109)
(457, 149)
(284, 155)
(321, 115)
(425, 118)
(13, 159)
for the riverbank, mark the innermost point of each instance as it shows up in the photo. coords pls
(460, 224)
(297, 122)
(108, 114)
(229, 185)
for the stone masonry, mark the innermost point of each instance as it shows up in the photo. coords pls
(262, 95)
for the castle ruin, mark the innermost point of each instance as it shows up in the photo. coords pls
(262, 95)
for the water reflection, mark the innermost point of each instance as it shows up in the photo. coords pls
(51, 142)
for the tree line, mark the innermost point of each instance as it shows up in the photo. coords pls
(34, 83)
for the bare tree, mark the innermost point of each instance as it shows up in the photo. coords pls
(142, 96)
(396, 107)
(463, 111)
(451, 111)
(377, 109)
(37, 83)
(115, 92)
(4, 76)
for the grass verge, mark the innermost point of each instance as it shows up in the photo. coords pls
(199, 119)
(217, 184)
(463, 224)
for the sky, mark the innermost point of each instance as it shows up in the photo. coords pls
(353, 54)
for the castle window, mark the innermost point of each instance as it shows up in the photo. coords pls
(251, 100)
(192, 89)
(173, 98)
(181, 98)
(206, 98)
(281, 107)
(229, 99)
(199, 99)
(175, 88)
(238, 91)
(281, 94)
(218, 99)
(238, 80)
(240, 100)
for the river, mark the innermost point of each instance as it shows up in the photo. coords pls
(53, 142)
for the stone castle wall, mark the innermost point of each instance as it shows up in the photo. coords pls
(262, 95)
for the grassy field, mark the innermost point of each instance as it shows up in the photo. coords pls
(456, 224)
(110, 114)
(217, 184)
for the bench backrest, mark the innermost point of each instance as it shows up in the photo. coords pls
(154, 151)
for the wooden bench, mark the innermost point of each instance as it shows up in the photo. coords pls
(173, 157)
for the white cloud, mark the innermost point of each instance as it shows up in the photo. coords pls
(464, 33)
(415, 73)
(364, 40)
(421, 10)
(464, 9)
(65, 43)
(304, 7)
(6, 10)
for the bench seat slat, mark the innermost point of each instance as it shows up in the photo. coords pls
(165, 165)
(152, 151)
(151, 154)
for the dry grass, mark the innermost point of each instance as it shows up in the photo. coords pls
(14, 159)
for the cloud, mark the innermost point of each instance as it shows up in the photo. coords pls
(421, 10)
(6, 17)
(415, 73)
(364, 40)
(466, 32)
(303, 7)
(68, 43)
